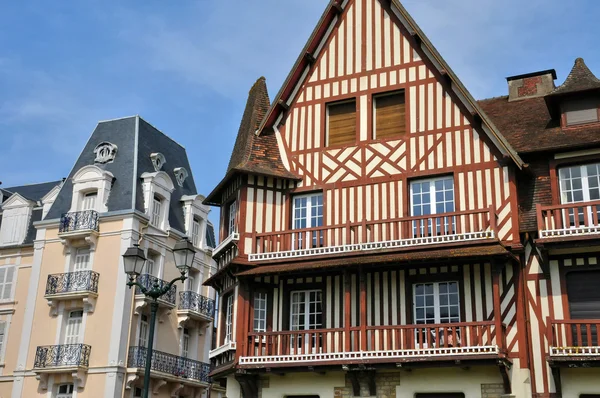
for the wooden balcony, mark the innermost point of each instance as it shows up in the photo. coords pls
(390, 234)
(570, 221)
(573, 341)
(375, 344)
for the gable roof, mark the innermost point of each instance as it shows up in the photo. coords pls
(320, 32)
(252, 153)
(34, 192)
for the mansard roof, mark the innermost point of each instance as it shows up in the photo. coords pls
(135, 140)
(34, 192)
(297, 74)
(580, 79)
(252, 153)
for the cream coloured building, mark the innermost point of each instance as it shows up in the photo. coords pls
(69, 325)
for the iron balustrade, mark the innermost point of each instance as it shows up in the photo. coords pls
(168, 363)
(79, 221)
(193, 301)
(70, 282)
(52, 356)
(148, 281)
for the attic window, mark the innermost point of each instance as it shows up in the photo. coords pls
(180, 174)
(158, 160)
(581, 111)
(341, 123)
(389, 116)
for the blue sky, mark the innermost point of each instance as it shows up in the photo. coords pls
(187, 66)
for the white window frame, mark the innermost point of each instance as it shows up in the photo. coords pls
(260, 312)
(232, 214)
(156, 214)
(432, 197)
(436, 301)
(8, 275)
(89, 200)
(190, 283)
(306, 295)
(185, 343)
(229, 319)
(82, 253)
(3, 338)
(144, 327)
(311, 220)
(196, 225)
(584, 182)
(68, 338)
(68, 394)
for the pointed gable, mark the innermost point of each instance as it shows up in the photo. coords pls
(358, 36)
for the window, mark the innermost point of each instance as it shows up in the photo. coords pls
(14, 223)
(89, 201)
(2, 339)
(196, 232)
(580, 111)
(7, 275)
(584, 303)
(389, 116)
(190, 283)
(308, 213)
(229, 319)
(143, 336)
(82, 259)
(579, 183)
(73, 330)
(231, 220)
(436, 302)
(185, 343)
(307, 310)
(432, 196)
(260, 312)
(156, 211)
(152, 264)
(137, 392)
(341, 123)
(65, 391)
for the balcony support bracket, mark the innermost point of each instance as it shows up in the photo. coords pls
(355, 383)
(131, 379)
(42, 378)
(89, 304)
(176, 389)
(158, 385)
(557, 380)
(371, 382)
(248, 384)
(504, 367)
(163, 314)
(79, 378)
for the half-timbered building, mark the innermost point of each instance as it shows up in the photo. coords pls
(370, 244)
(556, 131)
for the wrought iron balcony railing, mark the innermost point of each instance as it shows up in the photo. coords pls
(148, 281)
(79, 221)
(169, 363)
(71, 282)
(65, 355)
(193, 301)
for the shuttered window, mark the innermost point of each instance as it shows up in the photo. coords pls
(584, 295)
(341, 123)
(2, 339)
(7, 277)
(389, 116)
(581, 111)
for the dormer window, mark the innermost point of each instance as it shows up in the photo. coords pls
(156, 211)
(581, 111)
(196, 231)
(16, 213)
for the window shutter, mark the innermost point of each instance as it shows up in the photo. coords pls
(390, 114)
(2, 335)
(581, 111)
(8, 228)
(8, 282)
(341, 123)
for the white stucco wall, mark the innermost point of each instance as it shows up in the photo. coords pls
(447, 380)
(580, 381)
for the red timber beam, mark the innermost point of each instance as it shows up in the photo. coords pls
(363, 309)
(242, 319)
(347, 310)
(496, 273)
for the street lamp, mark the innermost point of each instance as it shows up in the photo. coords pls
(133, 261)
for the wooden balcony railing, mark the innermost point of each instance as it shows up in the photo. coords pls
(373, 235)
(574, 338)
(383, 343)
(568, 220)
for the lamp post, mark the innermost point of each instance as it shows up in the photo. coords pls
(134, 260)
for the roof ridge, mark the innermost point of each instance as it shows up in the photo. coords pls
(32, 184)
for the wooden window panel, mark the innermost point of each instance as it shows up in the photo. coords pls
(581, 111)
(341, 129)
(390, 116)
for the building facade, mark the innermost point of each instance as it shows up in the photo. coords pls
(70, 325)
(384, 234)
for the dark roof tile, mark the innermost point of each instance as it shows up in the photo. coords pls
(581, 78)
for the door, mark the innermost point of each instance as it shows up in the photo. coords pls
(306, 313)
(432, 197)
(143, 336)
(185, 343)
(73, 329)
(584, 303)
(435, 303)
(89, 201)
(580, 183)
(308, 213)
(77, 280)
(65, 391)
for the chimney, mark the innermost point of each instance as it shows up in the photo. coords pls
(531, 85)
